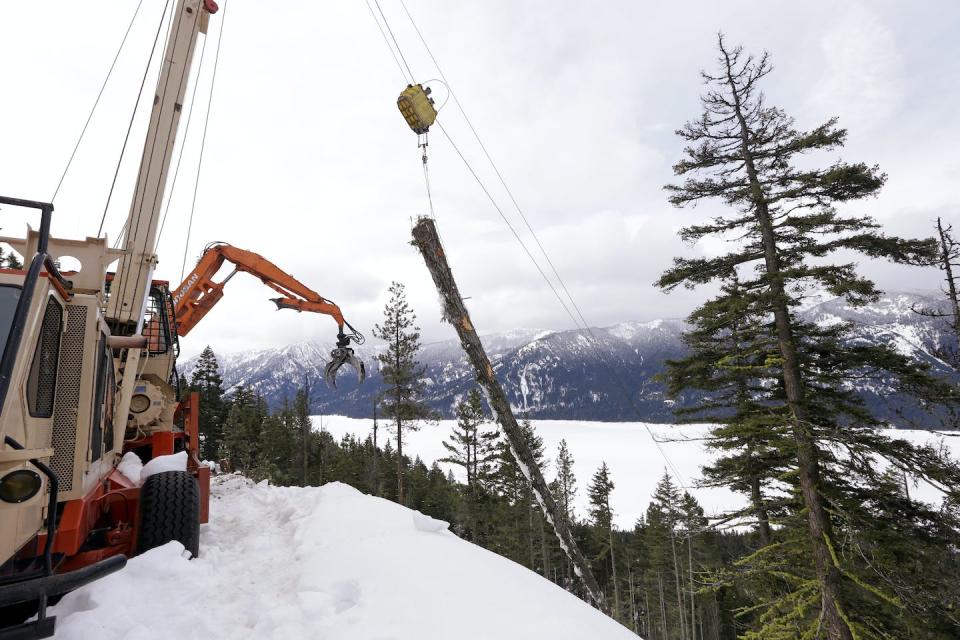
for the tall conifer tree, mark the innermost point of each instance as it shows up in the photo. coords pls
(401, 398)
(241, 432)
(662, 578)
(566, 481)
(601, 515)
(471, 447)
(206, 380)
(786, 222)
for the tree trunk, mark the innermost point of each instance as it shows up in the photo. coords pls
(517, 534)
(663, 605)
(304, 452)
(533, 558)
(305, 432)
(945, 246)
(399, 410)
(455, 312)
(399, 459)
(320, 448)
(763, 519)
(376, 454)
(544, 551)
(676, 578)
(820, 529)
(693, 599)
(647, 617)
(613, 573)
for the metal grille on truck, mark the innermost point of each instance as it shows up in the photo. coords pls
(68, 396)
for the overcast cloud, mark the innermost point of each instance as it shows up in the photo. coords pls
(309, 163)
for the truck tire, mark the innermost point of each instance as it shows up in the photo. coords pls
(169, 510)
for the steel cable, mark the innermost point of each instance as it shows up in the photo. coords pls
(96, 102)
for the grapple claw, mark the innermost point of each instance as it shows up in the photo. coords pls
(339, 357)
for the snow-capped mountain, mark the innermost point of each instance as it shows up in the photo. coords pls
(608, 374)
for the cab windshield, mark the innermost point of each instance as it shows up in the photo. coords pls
(9, 297)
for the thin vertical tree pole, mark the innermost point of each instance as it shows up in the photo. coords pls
(305, 428)
(693, 610)
(425, 238)
(948, 250)
(544, 551)
(617, 613)
(647, 616)
(320, 451)
(376, 465)
(399, 412)
(663, 604)
(677, 577)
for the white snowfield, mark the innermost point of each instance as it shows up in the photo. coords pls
(325, 563)
(634, 451)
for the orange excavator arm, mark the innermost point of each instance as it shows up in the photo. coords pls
(199, 293)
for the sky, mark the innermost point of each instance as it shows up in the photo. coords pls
(308, 162)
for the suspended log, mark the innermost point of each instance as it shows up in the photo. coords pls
(425, 238)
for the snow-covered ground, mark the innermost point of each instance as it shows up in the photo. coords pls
(635, 452)
(331, 563)
(325, 563)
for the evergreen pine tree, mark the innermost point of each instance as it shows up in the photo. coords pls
(206, 380)
(564, 488)
(462, 445)
(10, 260)
(663, 578)
(744, 153)
(241, 436)
(472, 448)
(516, 522)
(693, 528)
(732, 360)
(402, 375)
(601, 517)
(566, 482)
(276, 449)
(303, 427)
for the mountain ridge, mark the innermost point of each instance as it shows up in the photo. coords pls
(564, 374)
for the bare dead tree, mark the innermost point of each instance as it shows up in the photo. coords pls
(948, 261)
(426, 239)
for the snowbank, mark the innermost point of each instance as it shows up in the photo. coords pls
(327, 563)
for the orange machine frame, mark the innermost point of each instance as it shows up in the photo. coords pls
(114, 503)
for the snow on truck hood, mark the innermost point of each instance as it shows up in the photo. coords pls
(325, 563)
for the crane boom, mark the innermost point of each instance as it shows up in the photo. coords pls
(198, 294)
(88, 377)
(131, 285)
